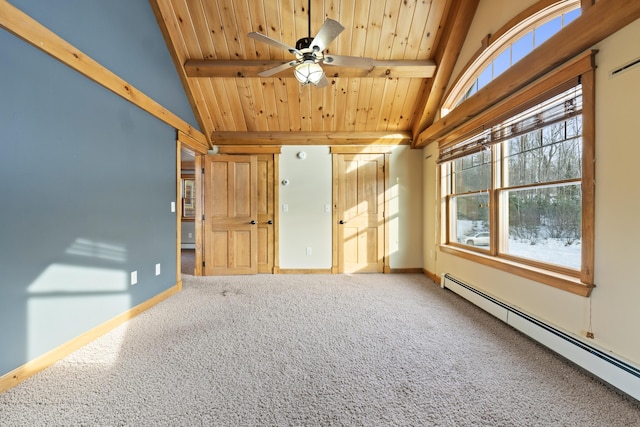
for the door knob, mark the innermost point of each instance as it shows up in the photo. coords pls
(342, 221)
(253, 221)
(269, 222)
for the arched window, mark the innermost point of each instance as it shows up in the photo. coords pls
(517, 179)
(509, 45)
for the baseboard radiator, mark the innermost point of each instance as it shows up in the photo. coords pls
(611, 369)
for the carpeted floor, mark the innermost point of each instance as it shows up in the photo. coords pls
(307, 350)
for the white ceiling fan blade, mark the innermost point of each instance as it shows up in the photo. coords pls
(323, 82)
(349, 61)
(275, 70)
(329, 31)
(268, 40)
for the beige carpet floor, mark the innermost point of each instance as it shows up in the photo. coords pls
(315, 350)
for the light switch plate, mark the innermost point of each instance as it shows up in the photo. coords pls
(134, 277)
(158, 269)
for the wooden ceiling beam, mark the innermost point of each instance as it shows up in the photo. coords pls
(250, 68)
(310, 138)
(598, 22)
(31, 31)
(455, 26)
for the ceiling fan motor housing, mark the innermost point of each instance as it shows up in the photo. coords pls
(304, 43)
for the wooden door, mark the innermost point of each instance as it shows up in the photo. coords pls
(266, 213)
(230, 211)
(360, 213)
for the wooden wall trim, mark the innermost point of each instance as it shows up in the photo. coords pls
(360, 149)
(197, 146)
(178, 210)
(556, 280)
(588, 176)
(40, 363)
(23, 26)
(249, 149)
(387, 216)
(557, 81)
(456, 26)
(304, 271)
(597, 23)
(310, 138)
(432, 276)
(199, 223)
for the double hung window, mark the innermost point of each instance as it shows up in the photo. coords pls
(513, 191)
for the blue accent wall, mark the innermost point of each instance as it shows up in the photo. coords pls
(123, 36)
(86, 178)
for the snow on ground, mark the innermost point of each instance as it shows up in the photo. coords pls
(553, 251)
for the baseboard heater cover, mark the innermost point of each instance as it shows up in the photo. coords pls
(603, 364)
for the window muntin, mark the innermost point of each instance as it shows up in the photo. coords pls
(533, 163)
(470, 181)
(470, 219)
(553, 153)
(546, 30)
(472, 173)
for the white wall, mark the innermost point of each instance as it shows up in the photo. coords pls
(614, 312)
(306, 224)
(615, 300)
(405, 206)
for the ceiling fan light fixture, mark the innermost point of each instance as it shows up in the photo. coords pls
(308, 72)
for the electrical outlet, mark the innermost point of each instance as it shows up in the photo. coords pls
(134, 277)
(158, 269)
(285, 207)
(190, 235)
(308, 251)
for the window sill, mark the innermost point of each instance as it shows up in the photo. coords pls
(556, 280)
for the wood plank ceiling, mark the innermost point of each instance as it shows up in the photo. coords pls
(234, 106)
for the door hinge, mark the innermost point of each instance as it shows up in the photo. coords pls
(202, 171)
(203, 217)
(203, 263)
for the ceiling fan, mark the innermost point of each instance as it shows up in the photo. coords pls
(309, 54)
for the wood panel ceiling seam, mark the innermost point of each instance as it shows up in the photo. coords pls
(215, 30)
(191, 47)
(403, 28)
(388, 29)
(419, 33)
(429, 38)
(386, 102)
(376, 105)
(374, 30)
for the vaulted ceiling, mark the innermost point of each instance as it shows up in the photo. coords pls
(413, 44)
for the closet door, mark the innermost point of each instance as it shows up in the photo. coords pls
(231, 215)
